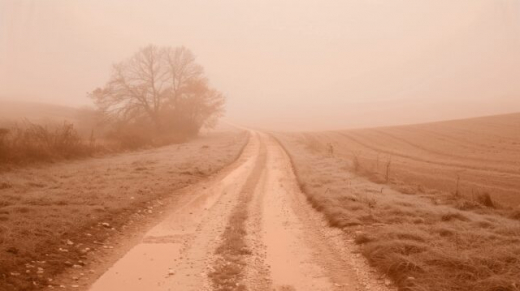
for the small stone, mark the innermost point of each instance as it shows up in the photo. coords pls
(388, 282)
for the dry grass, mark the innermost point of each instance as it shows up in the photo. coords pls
(33, 133)
(29, 143)
(480, 155)
(52, 215)
(420, 237)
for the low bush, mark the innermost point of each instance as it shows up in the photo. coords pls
(31, 142)
(485, 199)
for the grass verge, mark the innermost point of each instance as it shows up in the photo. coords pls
(29, 143)
(420, 243)
(53, 216)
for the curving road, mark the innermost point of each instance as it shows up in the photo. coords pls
(247, 228)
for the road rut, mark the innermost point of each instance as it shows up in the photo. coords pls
(248, 228)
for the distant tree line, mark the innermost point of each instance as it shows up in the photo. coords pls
(158, 92)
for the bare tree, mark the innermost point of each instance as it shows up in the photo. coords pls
(183, 71)
(135, 87)
(163, 85)
(200, 104)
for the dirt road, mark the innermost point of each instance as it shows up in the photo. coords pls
(248, 228)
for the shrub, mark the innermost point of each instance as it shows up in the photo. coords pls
(515, 214)
(485, 199)
(453, 216)
(131, 138)
(30, 142)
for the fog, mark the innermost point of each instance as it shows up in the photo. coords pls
(292, 65)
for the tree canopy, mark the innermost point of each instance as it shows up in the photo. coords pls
(163, 87)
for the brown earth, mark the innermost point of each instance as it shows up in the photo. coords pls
(247, 228)
(52, 216)
(482, 154)
(416, 226)
(301, 218)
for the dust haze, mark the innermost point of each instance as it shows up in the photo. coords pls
(260, 145)
(293, 65)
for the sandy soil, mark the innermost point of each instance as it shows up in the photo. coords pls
(247, 228)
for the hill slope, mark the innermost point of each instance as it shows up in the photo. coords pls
(35, 112)
(481, 154)
(434, 206)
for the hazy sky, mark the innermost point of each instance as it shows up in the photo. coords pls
(282, 64)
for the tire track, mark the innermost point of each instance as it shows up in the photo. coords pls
(294, 248)
(229, 267)
(177, 254)
(249, 229)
